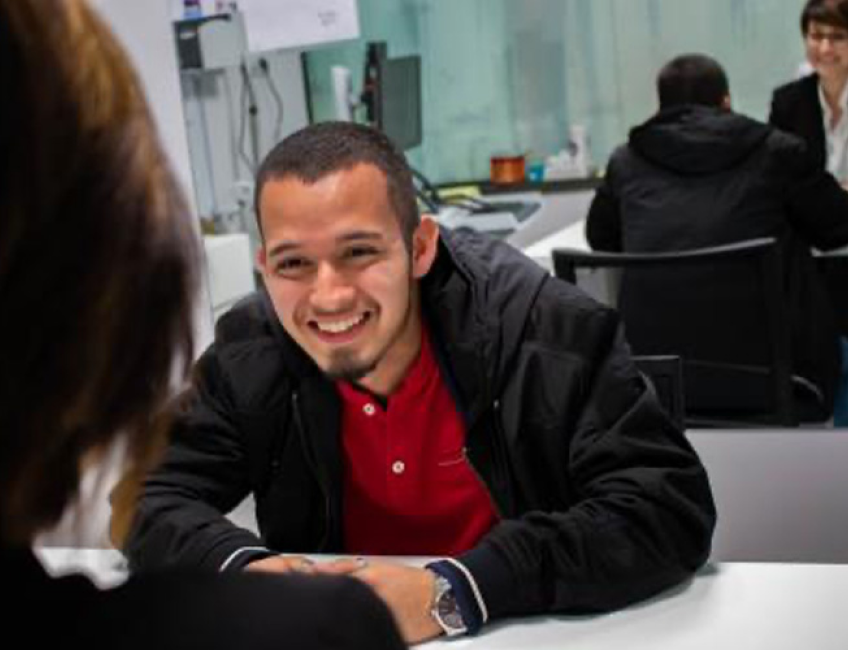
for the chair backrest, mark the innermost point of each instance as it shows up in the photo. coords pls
(721, 309)
(665, 373)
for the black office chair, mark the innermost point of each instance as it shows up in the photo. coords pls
(834, 272)
(721, 309)
(665, 372)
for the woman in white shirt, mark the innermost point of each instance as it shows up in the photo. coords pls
(816, 108)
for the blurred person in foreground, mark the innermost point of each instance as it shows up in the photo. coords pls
(98, 270)
(401, 389)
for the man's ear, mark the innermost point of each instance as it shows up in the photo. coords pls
(425, 243)
(725, 103)
(262, 260)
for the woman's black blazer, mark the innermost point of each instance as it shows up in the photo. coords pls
(795, 108)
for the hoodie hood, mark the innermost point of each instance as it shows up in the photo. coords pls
(485, 289)
(695, 140)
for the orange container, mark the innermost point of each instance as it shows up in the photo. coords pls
(506, 170)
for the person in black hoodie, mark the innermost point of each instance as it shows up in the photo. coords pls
(99, 265)
(697, 174)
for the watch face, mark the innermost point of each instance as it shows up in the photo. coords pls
(447, 613)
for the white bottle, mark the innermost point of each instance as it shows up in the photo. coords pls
(579, 141)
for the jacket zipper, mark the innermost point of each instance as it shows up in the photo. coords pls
(307, 454)
(483, 483)
(501, 456)
(497, 459)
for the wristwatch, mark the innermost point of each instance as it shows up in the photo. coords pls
(445, 609)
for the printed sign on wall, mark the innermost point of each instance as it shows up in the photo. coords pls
(279, 24)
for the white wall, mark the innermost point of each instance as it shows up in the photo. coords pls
(219, 132)
(145, 30)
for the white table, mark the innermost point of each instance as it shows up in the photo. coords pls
(732, 606)
(572, 236)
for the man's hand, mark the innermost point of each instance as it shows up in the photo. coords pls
(408, 592)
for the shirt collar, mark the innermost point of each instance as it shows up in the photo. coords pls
(826, 112)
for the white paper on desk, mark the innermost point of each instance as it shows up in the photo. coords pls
(277, 24)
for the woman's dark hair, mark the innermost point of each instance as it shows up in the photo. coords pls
(98, 262)
(827, 12)
(328, 147)
(692, 79)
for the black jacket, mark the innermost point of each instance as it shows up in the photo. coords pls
(187, 610)
(696, 176)
(603, 500)
(795, 108)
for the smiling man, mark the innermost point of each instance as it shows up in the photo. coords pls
(397, 389)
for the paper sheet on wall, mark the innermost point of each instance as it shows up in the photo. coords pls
(279, 24)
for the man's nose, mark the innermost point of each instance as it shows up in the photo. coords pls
(332, 291)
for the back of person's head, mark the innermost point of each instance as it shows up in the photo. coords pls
(692, 79)
(826, 12)
(319, 150)
(97, 262)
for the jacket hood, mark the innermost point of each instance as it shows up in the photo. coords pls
(695, 140)
(486, 290)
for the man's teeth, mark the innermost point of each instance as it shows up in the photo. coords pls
(340, 326)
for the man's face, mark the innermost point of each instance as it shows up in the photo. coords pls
(827, 49)
(341, 279)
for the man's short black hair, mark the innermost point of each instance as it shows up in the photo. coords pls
(692, 79)
(319, 150)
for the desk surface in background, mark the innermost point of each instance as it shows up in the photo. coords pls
(739, 606)
(574, 236)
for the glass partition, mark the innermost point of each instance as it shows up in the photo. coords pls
(513, 76)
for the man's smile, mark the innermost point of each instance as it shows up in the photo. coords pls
(340, 329)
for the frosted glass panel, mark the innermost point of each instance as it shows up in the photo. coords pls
(511, 76)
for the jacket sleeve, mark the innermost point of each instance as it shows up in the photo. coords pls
(603, 223)
(180, 516)
(172, 610)
(643, 514)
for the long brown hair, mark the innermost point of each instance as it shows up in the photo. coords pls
(98, 262)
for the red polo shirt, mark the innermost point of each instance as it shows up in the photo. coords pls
(408, 487)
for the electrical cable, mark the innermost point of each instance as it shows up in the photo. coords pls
(234, 141)
(265, 66)
(249, 110)
(243, 122)
(425, 191)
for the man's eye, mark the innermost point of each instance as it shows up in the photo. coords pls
(360, 251)
(290, 265)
